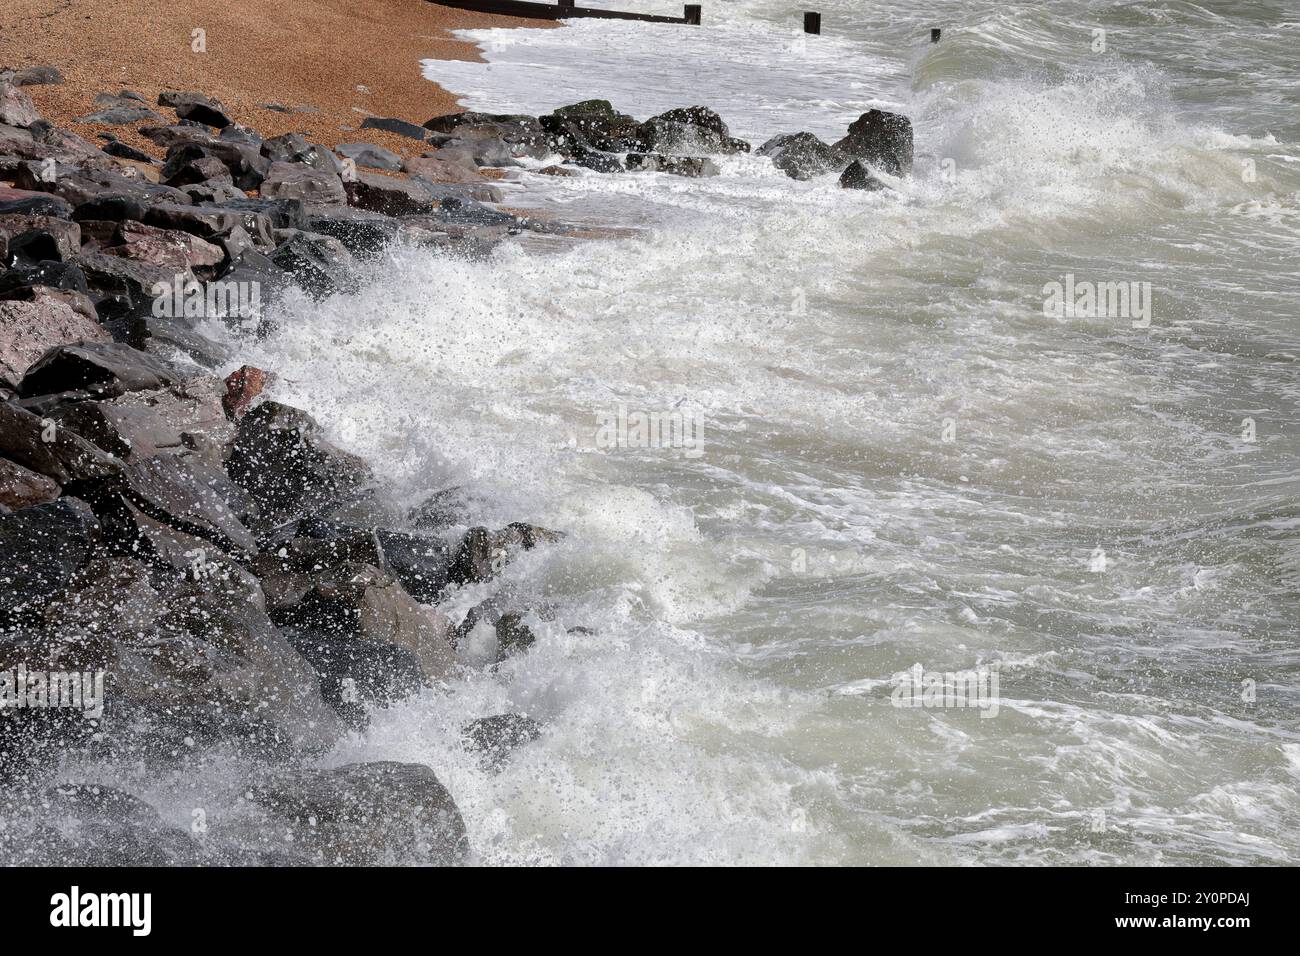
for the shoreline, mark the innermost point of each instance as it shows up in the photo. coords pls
(337, 61)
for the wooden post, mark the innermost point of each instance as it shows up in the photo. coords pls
(934, 34)
(812, 22)
(692, 14)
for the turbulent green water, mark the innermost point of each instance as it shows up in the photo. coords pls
(904, 460)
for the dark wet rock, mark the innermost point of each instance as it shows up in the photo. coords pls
(115, 147)
(285, 180)
(59, 144)
(388, 194)
(65, 236)
(422, 565)
(293, 148)
(880, 139)
(495, 144)
(210, 222)
(857, 176)
(126, 290)
(66, 276)
(802, 155)
(369, 814)
(16, 107)
(20, 488)
(692, 129)
(479, 192)
(693, 167)
(200, 659)
(356, 599)
(203, 111)
(110, 207)
(367, 154)
(30, 202)
(78, 184)
(29, 329)
(281, 458)
(150, 423)
(280, 212)
(556, 171)
(91, 825)
(594, 123)
(496, 738)
(513, 635)
(167, 506)
(469, 153)
(251, 270)
(39, 445)
(400, 127)
(321, 264)
(41, 548)
(357, 674)
(169, 136)
(459, 210)
(440, 510)
(241, 134)
(213, 193)
(243, 159)
(363, 232)
(594, 160)
(456, 122)
(29, 240)
(100, 368)
(481, 554)
(195, 171)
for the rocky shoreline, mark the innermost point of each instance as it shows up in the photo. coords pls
(231, 577)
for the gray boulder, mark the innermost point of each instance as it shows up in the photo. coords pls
(802, 155)
(880, 139)
(369, 814)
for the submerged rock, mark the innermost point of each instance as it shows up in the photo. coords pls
(496, 738)
(692, 167)
(857, 176)
(801, 155)
(483, 553)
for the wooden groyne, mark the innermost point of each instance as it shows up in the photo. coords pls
(564, 10)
